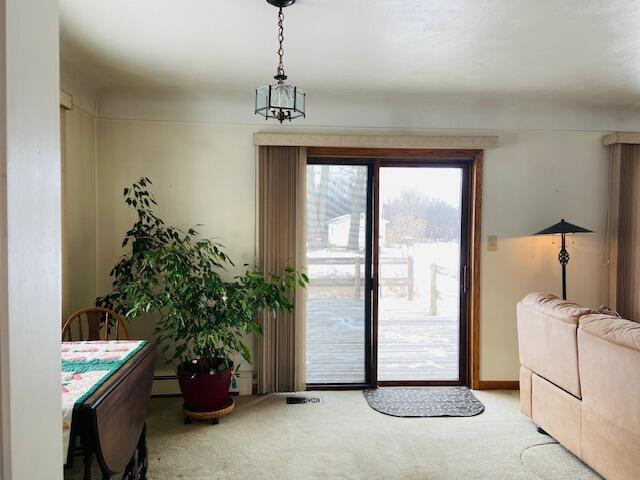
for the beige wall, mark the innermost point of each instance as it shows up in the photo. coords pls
(532, 180)
(205, 173)
(80, 226)
(201, 174)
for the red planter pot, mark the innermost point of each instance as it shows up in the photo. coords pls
(204, 392)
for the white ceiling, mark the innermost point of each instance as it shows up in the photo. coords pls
(581, 51)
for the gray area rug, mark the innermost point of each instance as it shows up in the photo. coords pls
(424, 401)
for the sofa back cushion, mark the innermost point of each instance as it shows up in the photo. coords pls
(555, 307)
(619, 331)
(547, 339)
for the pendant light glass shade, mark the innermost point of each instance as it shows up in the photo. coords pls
(280, 101)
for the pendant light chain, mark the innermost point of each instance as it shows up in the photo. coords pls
(280, 71)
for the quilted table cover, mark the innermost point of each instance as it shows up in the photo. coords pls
(86, 366)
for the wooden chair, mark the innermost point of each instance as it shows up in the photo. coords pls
(94, 323)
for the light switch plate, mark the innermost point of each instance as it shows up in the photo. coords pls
(492, 243)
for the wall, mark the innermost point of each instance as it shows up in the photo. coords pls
(30, 251)
(202, 174)
(205, 173)
(532, 180)
(79, 214)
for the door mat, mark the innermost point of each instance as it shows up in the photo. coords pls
(424, 401)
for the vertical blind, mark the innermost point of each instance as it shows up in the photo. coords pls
(280, 350)
(623, 229)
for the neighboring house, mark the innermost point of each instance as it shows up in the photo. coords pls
(339, 227)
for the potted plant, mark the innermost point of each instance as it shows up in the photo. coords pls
(204, 311)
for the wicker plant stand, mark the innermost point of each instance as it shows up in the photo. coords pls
(213, 416)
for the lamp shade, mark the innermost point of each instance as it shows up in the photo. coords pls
(563, 227)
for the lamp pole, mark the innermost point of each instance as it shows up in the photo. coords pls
(563, 258)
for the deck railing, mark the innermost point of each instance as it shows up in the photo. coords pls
(406, 280)
(434, 293)
(357, 280)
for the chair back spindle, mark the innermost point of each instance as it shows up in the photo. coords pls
(93, 323)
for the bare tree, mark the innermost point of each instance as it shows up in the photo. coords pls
(358, 193)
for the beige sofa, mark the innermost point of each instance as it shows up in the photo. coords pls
(580, 381)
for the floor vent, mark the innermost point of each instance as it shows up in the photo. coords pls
(298, 400)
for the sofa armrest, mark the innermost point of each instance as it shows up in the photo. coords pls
(547, 340)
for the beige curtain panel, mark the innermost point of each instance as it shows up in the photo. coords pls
(280, 352)
(623, 229)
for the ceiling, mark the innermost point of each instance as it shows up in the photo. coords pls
(582, 51)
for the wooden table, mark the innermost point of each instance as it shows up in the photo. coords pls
(110, 423)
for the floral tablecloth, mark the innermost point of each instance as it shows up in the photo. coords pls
(86, 366)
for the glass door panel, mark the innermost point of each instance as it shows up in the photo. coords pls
(338, 264)
(420, 236)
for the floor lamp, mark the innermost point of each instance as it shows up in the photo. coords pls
(562, 228)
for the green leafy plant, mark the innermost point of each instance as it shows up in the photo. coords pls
(179, 275)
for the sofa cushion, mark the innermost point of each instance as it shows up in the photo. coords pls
(609, 351)
(547, 339)
(555, 307)
(557, 412)
(610, 450)
(613, 329)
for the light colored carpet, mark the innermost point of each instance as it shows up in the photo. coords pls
(551, 461)
(343, 438)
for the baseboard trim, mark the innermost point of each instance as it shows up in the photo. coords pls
(499, 385)
(179, 395)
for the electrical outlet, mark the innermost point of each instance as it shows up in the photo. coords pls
(492, 243)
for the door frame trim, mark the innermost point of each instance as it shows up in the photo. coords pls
(475, 158)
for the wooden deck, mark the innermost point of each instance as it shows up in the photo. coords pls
(413, 345)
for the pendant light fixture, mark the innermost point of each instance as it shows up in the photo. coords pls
(280, 100)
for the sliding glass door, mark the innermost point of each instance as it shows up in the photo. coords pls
(420, 255)
(339, 243)
(387, 256)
